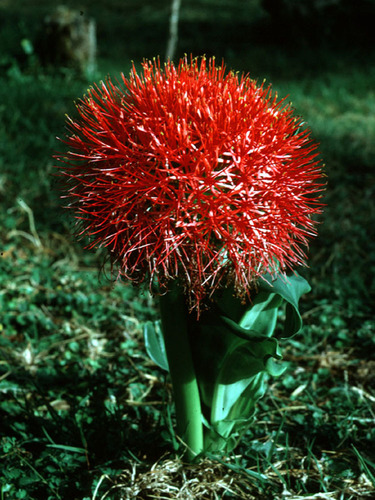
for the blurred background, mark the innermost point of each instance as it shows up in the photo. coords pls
(62, 320)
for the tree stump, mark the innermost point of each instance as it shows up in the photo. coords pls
(68, 39)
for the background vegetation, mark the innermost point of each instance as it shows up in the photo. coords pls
(83, 413)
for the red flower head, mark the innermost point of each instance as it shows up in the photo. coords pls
(193, 173)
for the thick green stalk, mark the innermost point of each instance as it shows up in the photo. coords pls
(174, 317)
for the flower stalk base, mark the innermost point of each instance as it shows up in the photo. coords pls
(174, 319)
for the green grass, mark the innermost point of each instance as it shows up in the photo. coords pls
(84, 414)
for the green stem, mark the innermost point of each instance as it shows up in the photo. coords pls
(174, 317)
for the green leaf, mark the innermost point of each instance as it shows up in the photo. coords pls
(235, 354)
(240, 370)
(262, 315)
(290, 288)
(73, 449)
(240, 383)
(274, 368)
(232, 366)
(154, 343)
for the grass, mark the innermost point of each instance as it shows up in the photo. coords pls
(84, 414)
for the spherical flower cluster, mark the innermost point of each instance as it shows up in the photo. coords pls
(193, 173)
